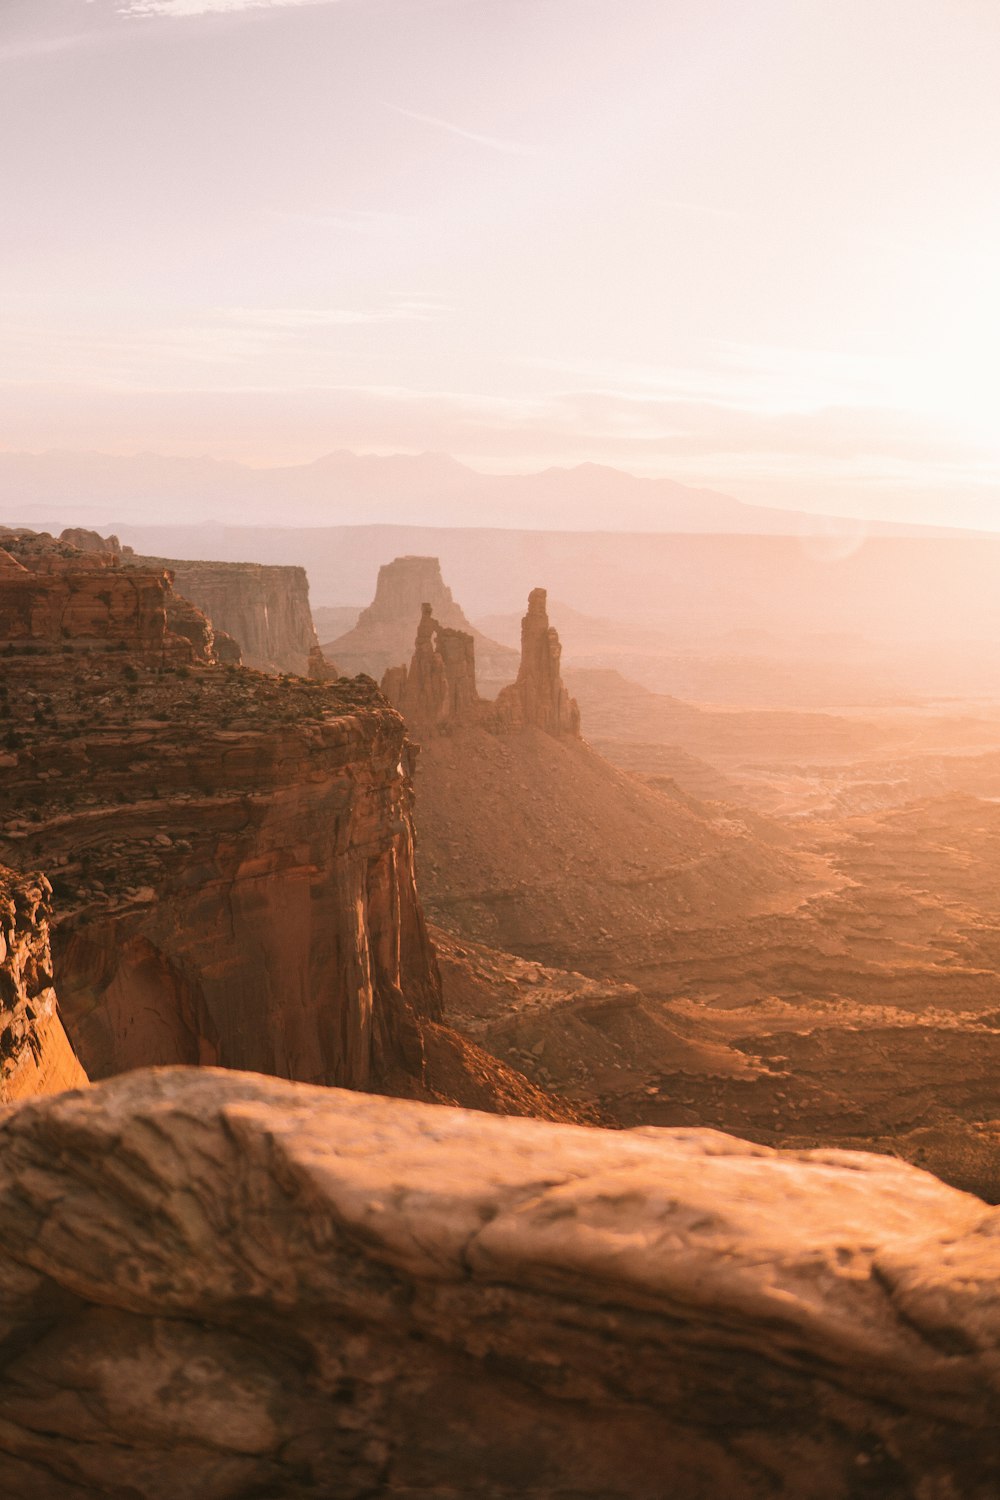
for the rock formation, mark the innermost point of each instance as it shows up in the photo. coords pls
(58, 600)
(35, 1054)
(538, 697)
(264, 608)
(438, 689)
(383, 635)
(231, 854)
(437, 692)
(221, 1285)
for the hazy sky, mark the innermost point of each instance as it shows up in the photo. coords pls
(748, 243)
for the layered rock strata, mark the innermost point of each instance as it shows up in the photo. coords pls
(263, 1289)
(231, 856)
(264, 608)
(56, 599)
(383, 635)
(35, 1053)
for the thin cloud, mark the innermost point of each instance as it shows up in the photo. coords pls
(492, 142)
(294, 319)
(179, 9)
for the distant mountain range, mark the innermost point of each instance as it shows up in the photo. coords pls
(350, 489)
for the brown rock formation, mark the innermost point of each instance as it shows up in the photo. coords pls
(92, 541)
(538, 697)
(55, 598)
(264, 1289)
(438, 690)
(35, 1054)
(383, 635)
(264, 608)
(232, 854)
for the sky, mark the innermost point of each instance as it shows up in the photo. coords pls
(747, 244)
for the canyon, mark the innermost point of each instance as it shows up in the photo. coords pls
(442, 891)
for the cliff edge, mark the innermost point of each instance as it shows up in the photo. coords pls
(231, 854)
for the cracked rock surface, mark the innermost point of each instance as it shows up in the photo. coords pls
(218, 1285)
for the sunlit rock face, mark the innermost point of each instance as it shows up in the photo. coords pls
(265, 1289)
(56, 598)
(35, 1054)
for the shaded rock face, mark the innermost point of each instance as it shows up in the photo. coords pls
(35, 1054)
(383, 635)
(264, 1289)
(438, 690)
(263, 608)
(538, 697)
(231, 855)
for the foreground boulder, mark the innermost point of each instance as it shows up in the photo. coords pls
(218, 1286)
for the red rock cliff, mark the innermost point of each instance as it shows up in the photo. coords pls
(263, 607)
(232, 862)
(54, 598)
(35, 1054)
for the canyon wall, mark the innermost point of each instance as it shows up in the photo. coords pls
(272, 1290)
(35, 1053)
(231, 858)
(265, 609)
(55, 599)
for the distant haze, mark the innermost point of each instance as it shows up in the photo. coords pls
(748, 247)
(428, 489)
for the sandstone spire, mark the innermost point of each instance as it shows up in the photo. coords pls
(439, 687)
(383, 635)
(538, 697)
